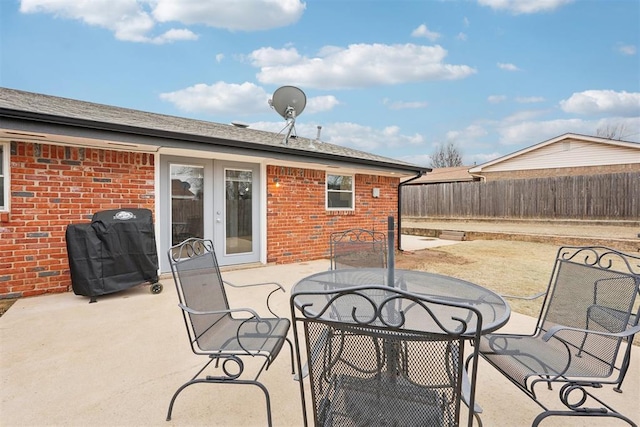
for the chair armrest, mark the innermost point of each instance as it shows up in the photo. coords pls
(234, 310)
(279, 287)
(527, 298)
(254, 284)
(624, 334)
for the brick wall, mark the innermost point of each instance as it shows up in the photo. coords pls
(548, 173)
(51, 187)
(298, 224)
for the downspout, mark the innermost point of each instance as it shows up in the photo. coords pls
(420, 174)
(482, 177)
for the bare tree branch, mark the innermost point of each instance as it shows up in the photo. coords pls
(446, 156)
(612, 131)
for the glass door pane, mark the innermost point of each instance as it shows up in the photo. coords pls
(187, 209)
(238, 211)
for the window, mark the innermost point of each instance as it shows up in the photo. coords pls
(239, 211)
(187, 208)
(340, 192)
(4, 176)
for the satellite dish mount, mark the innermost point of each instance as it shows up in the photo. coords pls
(289, 102)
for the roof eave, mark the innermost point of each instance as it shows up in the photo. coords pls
(478, 169)
(158, 133)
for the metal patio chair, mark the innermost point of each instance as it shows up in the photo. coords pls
(358, 248)
(355, 248)
(395, 360)
(213, 327)
(584, 334)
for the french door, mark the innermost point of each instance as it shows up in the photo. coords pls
(212, 199)
(236, 212)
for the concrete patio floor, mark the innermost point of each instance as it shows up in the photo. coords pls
(65, 362)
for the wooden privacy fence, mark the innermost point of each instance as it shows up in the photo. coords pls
(610, 196)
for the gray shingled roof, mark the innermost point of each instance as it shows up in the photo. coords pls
(14, 102)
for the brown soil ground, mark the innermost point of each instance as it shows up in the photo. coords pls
(506, 267)
(621, 235)
(5, 304)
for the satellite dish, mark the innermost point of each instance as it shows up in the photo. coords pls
(289, 102)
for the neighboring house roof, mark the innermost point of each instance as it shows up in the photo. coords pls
(441, 175)
(568, 150)
(19, 106)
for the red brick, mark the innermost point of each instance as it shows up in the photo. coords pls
(74, 186)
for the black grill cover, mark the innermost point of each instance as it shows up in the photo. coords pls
(115, 252)
(84, 250)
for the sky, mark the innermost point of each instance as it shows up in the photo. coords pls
(398, 78)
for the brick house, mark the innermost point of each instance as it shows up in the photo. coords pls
(566, 155)
(259, 199)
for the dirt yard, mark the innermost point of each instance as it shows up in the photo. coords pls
(506, 267)
(5, 304)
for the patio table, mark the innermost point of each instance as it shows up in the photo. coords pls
(405, 384)
(494, 309)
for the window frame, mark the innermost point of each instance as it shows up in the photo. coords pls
(352, 191)
(5, 175)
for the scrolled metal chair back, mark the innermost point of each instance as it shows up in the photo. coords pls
(382, 356)
(358, 248)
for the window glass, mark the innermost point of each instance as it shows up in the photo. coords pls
(340, 192)
(239, 213)
(187, 210)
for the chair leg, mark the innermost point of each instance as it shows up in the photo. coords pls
(604, 413)
(212, 381)
(293, 362)
(579, 409)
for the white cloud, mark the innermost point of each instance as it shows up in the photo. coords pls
(521, 116)
(235, 99)
(496, 99)
(462, 37)
(219, 57)
(246, 15)
(603, 102)
(529, 99)
(507, 67)
(423, 31)
(417, 159)
(629, 125)
(104, 13)
(467, 135)
(480, 158)
(319, 104)
(358, 65)
(174, 35)
(532, 132)
(352, 135)
(220, 98)
(135, 20)
(627, 49)
(518, 7)
(268, 57)
(366, 138)
(126, 18)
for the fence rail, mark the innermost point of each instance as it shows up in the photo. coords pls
(609, 196)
